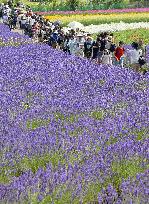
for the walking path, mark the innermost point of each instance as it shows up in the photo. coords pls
(17, 31)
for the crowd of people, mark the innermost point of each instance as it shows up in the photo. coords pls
(74, 41)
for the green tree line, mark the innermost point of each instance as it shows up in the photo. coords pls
(73, 4)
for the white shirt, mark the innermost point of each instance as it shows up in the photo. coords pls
(106, 59)
(23, 21)
(5, 18)
(19, 18)
(32, 21)
(108, 45)
(28, 19)
(72, 45)
(134, 55)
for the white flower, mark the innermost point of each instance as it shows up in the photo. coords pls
(112, 27)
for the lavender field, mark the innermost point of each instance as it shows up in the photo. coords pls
(71, 132)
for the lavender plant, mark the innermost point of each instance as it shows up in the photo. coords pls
(71, 131)
(8, 38)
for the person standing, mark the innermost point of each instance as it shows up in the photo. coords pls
(72, 44)
(5, 18)
(134, 55)
(95, 50)
(80, 50)
(103, 40)
(142, 47)
(23, 22)
(10, 22)
(14, 20)
(88, 47)
(119, 54)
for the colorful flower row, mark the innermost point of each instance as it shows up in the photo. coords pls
(96, 19)
(134, 10)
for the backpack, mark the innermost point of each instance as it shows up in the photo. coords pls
(112, 48)
(102, 45)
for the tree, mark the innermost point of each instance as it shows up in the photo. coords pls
(107, 3)
(72, 4)
(98, 1)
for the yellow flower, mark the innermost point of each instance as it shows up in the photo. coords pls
(88, 19)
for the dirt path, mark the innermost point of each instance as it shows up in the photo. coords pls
(21, 32)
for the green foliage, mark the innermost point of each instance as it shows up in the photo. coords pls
(125, 169)
(101, 82)
(33, 199)
(46, 200)
(59, 116)
(76, 132)
(108, 2)
(128, 36)
(66, 198)
(141, 134)
(48, 5)
(72, 4)
(25, 105)
(3, 176)
(36, 123)
(33, 163)
(75, 156)
(92, 192)
(70, 118)
(112, 140)
(97, 115)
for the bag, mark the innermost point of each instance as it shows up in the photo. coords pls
(142, 61)
(112, 48)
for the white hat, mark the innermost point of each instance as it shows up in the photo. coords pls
(81, 44)
(80, 35)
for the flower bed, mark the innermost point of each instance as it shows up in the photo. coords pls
(113, 27)
(8, 38)
(96, 19)
(71, 131)
(129, 36)
(134, 10)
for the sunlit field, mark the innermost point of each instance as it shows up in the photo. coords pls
(71, 131)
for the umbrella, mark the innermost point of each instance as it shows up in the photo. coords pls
(75, 25)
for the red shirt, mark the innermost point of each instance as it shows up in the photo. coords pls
(119, 52)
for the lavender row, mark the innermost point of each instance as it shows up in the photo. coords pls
(8, 38)
(70, 129)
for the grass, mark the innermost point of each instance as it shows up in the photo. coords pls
(37, 123)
